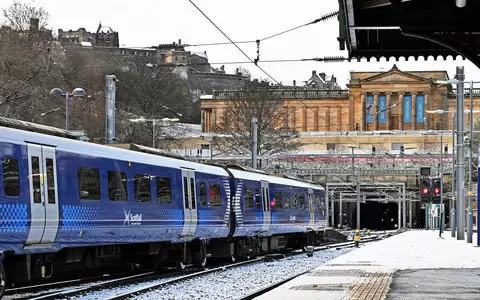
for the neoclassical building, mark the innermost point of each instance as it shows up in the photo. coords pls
(393, 100)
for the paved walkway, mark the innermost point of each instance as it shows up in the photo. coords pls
(411, 265)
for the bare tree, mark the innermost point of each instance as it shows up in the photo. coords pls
(256, 101)
(18, 16)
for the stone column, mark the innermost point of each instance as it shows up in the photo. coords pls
(414, 111)
(351, 109)
(339, 118)
(427, 115)
(305, 119)
(375, 111)
(315, 119)
(388, 123)
(400, 118)
(364, 112)
(327, 118)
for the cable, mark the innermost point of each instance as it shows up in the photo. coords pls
(322, 18)
(240, 49)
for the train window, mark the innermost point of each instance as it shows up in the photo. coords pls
(11, 183)
(50, 180)
(294, 201)
(141, 186)
(301, 201)
(248, 198)
(278, 200)
(88, 183)
(185, 192)
(257, 198)
(117, 186)
(318, 203)
(203, 193)
(192, 187)
(36, 178)
(215, 195)
(164, 190)
(286, 199)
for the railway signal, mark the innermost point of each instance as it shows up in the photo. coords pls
(425, 189)
(436, 189)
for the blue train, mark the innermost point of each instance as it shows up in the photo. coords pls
(66, 203)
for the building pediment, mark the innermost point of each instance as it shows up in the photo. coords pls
(395, 75)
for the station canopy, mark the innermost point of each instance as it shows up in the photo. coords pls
(404, 28)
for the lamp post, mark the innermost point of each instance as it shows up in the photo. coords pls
(77, 92)
(154, 124)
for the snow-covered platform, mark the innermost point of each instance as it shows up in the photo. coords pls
(411, 265)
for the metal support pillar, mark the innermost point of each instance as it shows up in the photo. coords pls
(358, 204)
(327, 213)
(404, 200)
(460, 155)
(440, 173)
(453, 218)
(333, 211)
(470, 162)
(399, 221)
(341, 211)
(110, 108)
(254, 142)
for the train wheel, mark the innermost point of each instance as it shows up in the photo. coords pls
(3, 277)
(203, 263)
(181, 266)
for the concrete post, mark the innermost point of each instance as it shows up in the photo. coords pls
(110, 108)
(404, 199)
(341, 211)
(254, 142)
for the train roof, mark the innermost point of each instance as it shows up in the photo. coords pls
(241, 174)
(86, 148)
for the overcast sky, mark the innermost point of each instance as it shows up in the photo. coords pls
(151, 22)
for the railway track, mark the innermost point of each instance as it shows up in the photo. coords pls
(153, 280)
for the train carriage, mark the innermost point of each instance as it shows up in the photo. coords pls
(65, 201)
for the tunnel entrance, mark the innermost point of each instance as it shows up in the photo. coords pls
(378, 216)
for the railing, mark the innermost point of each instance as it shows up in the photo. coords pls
(293, 93)
(475, 92)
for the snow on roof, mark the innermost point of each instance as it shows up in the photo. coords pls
(201, 54)
(86, 44)
(105, 29)
(206, 97)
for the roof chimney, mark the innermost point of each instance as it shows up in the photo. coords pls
(314, 73)
(322, 75)
(294, 83)
(179, 41)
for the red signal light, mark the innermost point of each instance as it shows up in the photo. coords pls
(425, 191)
(272, 203)
(437, 191)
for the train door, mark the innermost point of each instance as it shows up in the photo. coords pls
(42, 168)
(311, 206)
(267, 216)
(190, 216)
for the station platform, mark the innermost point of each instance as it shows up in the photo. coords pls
(410, 265)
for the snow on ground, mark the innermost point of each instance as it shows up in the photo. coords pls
(241, 281)
(416, 250)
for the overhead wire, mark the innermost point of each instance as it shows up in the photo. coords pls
(301, 101)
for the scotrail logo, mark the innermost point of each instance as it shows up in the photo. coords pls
(131, 219)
